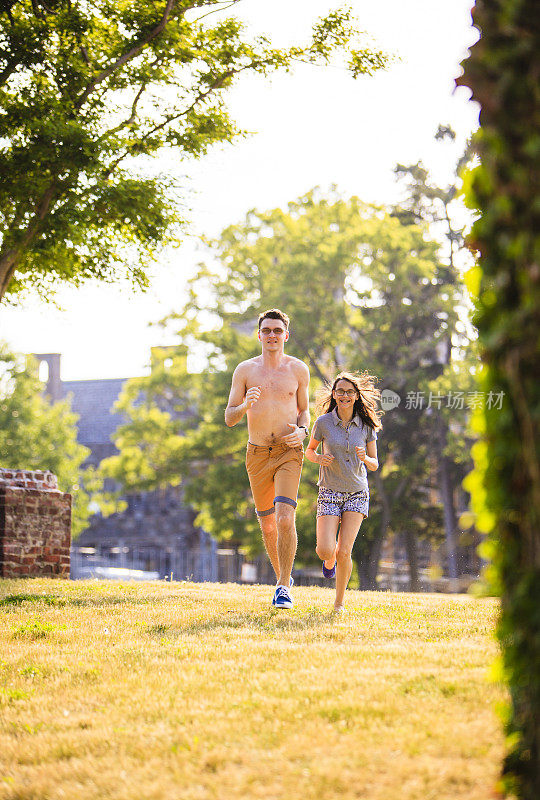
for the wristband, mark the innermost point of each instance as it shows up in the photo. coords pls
(305, 428)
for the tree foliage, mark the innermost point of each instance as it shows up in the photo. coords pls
(441, 209)
(37, 435)
(502, 71)
(89, 92)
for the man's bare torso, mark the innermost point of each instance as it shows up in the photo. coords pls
(277, 405)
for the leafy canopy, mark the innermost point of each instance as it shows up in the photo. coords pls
(90, 93)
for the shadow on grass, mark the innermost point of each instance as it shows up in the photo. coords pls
(19, 599)
(14, 600)
(268, 621)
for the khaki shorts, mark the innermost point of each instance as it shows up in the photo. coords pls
(274, 475)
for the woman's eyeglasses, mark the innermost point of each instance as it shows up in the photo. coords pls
(343, 392)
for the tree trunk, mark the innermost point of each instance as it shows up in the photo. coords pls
(411, 546)
(447, 497)
(376, 556)
(10, 257)
(506, 479)
(8, 262)
(368, 567)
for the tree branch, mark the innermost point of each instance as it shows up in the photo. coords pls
(9, 259)
(129, 55)
(172, 118)
(322, 377)
(130, 119)
(216, 10)
(8, 70)
(201, 96)
(84, 53)
(399, 491)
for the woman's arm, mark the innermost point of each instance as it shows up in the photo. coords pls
(370, 457)
(317, 458)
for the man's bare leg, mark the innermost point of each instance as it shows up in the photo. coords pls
(286, 541)
(270, 539)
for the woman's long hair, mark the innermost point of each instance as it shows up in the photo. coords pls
(365, 405)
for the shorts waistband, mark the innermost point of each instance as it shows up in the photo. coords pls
(263, 448)
(338, 491)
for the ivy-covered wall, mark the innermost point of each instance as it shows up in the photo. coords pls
(503, 72)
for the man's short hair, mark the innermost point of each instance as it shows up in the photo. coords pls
(274, 313)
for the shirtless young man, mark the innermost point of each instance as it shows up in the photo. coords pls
(272, 389)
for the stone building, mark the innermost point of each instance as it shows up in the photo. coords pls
(156, 534)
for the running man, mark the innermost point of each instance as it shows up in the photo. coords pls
(272, 390)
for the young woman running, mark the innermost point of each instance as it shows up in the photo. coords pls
(347, 430)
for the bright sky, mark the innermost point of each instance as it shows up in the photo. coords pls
(311, 127)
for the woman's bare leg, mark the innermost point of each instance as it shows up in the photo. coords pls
(350, 525)
(327, 528)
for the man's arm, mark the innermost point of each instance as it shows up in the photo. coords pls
(298, 434)
(240, 400)
(302, 398)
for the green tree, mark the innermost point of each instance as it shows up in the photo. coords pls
(440, 207)
(441, 210)
(362, 290)
(88, 92)
(37, 435)
(452, 438)
(502, 71)
(405, 316)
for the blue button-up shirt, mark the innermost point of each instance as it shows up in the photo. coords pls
(346, 473)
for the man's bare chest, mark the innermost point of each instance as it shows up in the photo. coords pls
(276, 384)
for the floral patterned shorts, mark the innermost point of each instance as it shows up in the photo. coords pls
(334, 503)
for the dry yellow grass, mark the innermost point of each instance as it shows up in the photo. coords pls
(194, 691)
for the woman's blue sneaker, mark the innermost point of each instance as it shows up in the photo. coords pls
(282, 598)
(328, 573)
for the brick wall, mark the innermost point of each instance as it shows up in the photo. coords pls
(35, 525)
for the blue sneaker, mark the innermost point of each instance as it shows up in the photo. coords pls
(328, 573)
(282, 598)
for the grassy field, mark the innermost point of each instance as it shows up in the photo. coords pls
(192, 691)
